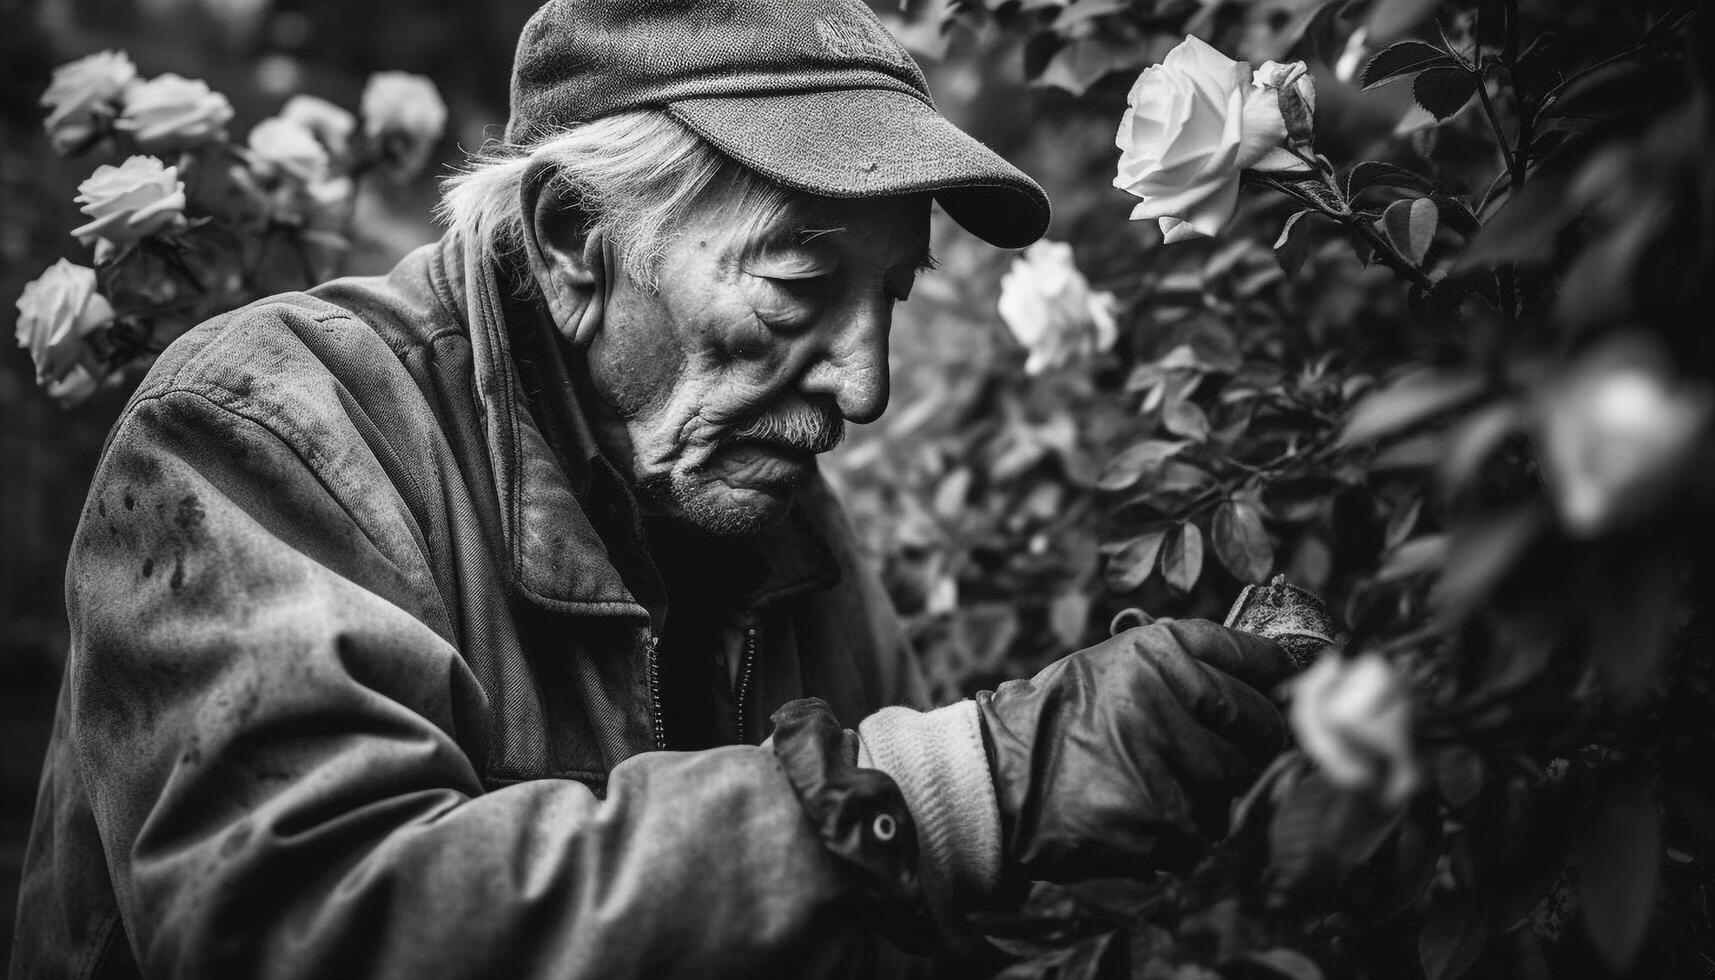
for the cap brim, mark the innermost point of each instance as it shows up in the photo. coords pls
(853, 143)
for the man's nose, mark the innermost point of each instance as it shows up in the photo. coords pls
(852, 368)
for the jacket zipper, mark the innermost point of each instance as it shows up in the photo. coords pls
(657, 720)
(746, 666)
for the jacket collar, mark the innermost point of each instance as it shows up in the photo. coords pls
(547, 467)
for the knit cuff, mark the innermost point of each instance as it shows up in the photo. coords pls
(937, 759)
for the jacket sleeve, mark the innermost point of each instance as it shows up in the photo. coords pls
(267, 736)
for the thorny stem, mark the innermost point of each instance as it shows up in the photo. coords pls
(1384, 249)
(1509, 156)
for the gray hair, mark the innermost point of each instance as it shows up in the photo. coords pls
(638, 175)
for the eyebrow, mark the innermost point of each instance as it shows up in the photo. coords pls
(922, 261)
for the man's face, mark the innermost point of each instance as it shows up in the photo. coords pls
(723, 383)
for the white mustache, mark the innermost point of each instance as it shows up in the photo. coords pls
(810, 428)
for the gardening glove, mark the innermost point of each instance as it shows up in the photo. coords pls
(1112, 761)
(1125, 757)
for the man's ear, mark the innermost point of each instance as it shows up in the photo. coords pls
(568, 263)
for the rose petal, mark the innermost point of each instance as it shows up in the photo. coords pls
(1263, 127)
(1280, 160)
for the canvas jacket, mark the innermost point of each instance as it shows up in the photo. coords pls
(357, 687)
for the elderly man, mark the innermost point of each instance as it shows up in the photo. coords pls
(489, 619)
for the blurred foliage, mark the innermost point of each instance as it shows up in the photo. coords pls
(1457, 379)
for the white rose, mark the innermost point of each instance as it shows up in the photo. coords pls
(138, 198)
(1192, 124)
(282, 147)
(83, 96)
(1616, 434)
(1049, 306)
(78, 384)
(1353, 717)
(332, 125)
(56, 311)
(403, 116)
(169, 112)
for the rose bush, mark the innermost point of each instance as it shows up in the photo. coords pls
(1447, 370)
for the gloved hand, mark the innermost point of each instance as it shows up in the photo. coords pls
(1125, 757)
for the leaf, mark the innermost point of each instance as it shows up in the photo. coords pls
(950, 495)
(1083, 10)
(1281, 962)
(1418, 452)
(1419, 555)
(1444, 91)
(1086, 61)
(1622, 871)
(1182, 558)
(1404, 59)
(1413, 399)
(1452, 939)
(1374, 173)
(1459, 772)
(1289, 249)
(1184, 417)
(1474, 440)
(1175, 485)
(1457, 215)
(1391, 18)
(1241, 542)
(1410, 227)
(1132, 564)
(1401, 522)
(1136, 460)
